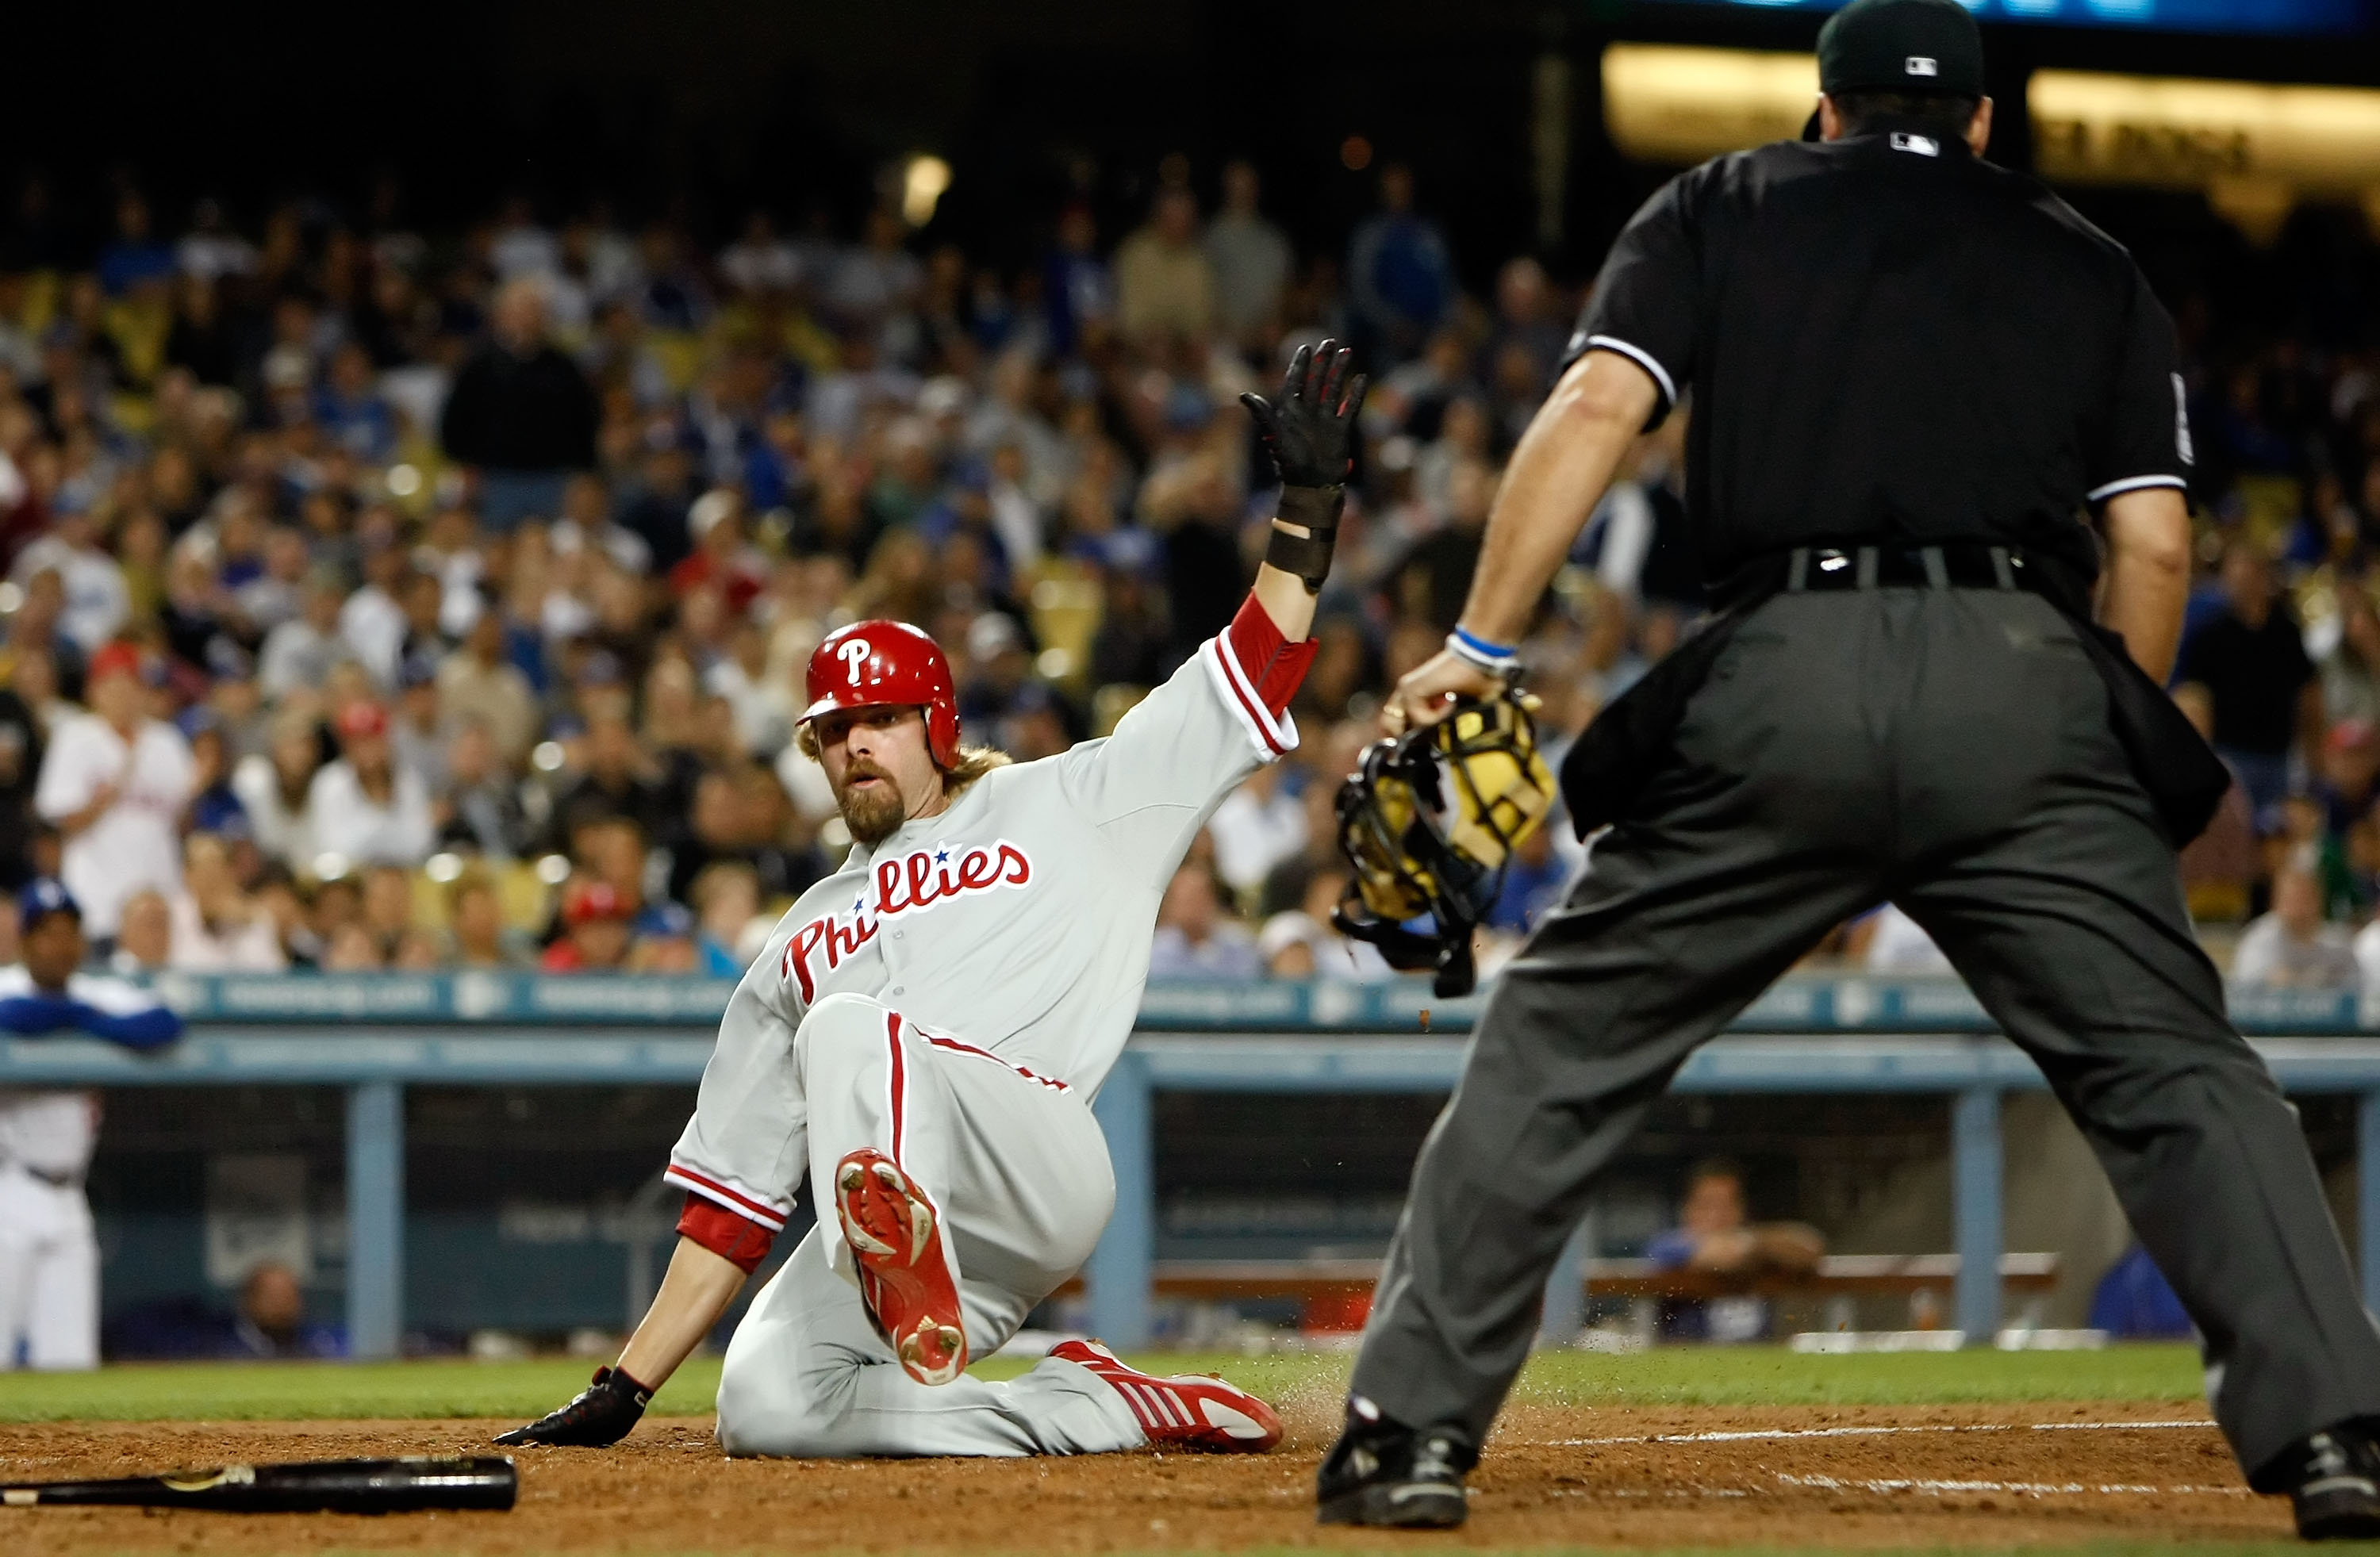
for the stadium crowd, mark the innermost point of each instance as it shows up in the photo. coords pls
(386, 600)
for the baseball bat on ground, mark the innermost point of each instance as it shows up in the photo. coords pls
(401, 1486)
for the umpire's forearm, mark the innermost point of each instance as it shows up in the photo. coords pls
(1557, 475)
(694, 1296)
(2148, 574)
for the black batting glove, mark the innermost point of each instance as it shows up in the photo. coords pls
(1308, 429)
(599, 1416)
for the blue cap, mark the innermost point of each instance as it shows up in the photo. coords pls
(43, 896)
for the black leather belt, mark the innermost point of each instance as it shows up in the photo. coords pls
(1952, 565)
(1955, 564)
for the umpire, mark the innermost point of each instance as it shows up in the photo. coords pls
(1916, 373)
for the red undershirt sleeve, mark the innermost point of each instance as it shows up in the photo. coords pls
(738, 1240)
(1274, 666)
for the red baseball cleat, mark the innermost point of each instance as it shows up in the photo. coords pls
(1187, 1410)
(904, 1278)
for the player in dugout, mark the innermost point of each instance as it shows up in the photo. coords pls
(923, 1033)
(49, 1253)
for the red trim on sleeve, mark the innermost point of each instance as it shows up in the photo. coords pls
(1275, 667)
(680, 1173)
(737, 1240)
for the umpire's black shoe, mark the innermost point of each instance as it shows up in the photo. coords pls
(1382, 1472)
(2333, 1480)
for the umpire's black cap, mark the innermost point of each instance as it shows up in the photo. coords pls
(1902, 46)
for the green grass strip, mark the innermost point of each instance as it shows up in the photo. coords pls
(1673, 1376)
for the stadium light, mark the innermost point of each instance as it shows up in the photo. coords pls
(2173, 132)
(923, 181)
(1670, 103)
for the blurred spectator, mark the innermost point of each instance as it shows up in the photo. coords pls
(364, 808)
(371, 621)
(135, 259)
(351, 949)
(418, 730)
(268, 1322)
(1257, 826)
(477, 684)
(301, 651)
(271, 1319)
(1399, 274)
(1300, 943)
(481, 810)
(1077, 290)
(275, 786)
(618, 779)
(1251, 261)
(521, 413)
(2350, 669)
(475, 922)
(2292, 947)
(115, 781)
(613, 850)
(726, 898)
(97, 603)
(1533, 882)
(1165, 285)
(144, 940)
(216, 927)
(21, 747)
(596, 938)
(2251, 660)
(386, 913)
(1195, 939)
(1715, 1234)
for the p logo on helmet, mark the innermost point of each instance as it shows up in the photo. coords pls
(879, 663)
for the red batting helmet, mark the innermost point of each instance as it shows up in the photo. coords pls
(870, 663)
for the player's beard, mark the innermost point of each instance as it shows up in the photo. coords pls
(874, 814)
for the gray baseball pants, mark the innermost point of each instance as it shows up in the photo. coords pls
(1948, 750)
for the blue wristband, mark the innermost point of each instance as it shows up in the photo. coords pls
(1479, 651)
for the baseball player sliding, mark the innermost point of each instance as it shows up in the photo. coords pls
(924, 1033)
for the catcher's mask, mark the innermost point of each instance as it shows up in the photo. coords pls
(1429, 822)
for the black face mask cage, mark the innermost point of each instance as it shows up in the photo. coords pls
(1405, 866)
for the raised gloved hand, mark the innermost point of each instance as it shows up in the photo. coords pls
(599, 1416)
(1306, 429)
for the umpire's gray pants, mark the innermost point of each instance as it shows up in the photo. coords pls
(1948, 750)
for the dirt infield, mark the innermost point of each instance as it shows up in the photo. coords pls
(1812, 1478)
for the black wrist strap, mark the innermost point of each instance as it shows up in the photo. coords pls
(618, 1382)
(1307, 556)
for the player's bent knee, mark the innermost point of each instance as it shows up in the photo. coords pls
(782, 1418)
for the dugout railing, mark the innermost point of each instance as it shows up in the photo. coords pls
(375, 1035)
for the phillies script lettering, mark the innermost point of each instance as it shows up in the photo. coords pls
(905, 883)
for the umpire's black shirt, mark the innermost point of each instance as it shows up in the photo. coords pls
(1891, 339)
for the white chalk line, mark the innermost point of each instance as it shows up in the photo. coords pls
(1937, 1486)
(2028, 1489)
(1907, 1484)
(1772, 1434)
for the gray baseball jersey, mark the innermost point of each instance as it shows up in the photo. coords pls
(1018, 921)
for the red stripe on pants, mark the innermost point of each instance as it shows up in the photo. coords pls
(900, 1079)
